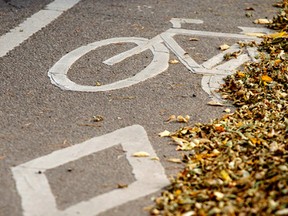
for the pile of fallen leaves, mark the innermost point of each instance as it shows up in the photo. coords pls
(238, 164)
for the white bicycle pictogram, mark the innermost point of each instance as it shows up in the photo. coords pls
(213, 70)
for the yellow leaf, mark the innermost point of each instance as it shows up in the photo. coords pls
(178, 192)
(141, 154)
(225, 176)
(278, 34)
(241, 74)
(174, 61)
(239, 124)
(266, 78)
(277, 62)
(164, 134)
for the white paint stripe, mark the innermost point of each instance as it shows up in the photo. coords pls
(233, 63)
(178, 51)
(33, 24)
(176, 22)
(34, 188)
(211, 34)
(255, 30)
(134, 51)
(217, 59)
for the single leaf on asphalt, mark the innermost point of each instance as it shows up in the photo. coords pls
(174, 160)
(141, 154)
(255, 34)
(174, 61)
(262, 21)
(182, 119)
(121, 186)
(224, 47)
(171, 118)
(215, 103)
(193, 39)
(165, 133)
(249, 8)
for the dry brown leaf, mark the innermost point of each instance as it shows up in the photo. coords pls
(171, 118)
(120, 186)
(98, 83)
(193, 39)
(262, 21)
(215, 103)
(224, 47)
(174, 160)
(181, 119)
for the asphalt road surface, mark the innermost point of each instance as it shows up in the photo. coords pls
(66, 151)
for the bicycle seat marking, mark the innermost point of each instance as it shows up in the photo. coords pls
(213, 70)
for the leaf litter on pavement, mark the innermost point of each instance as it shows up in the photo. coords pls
(238, 164)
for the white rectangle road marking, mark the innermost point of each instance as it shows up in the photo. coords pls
(33, 24)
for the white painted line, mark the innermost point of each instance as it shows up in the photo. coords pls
(176, 22)
(234, 63)
(211, 34)
(35, 192)
(143, 45)
(179, 52)
(217, 59)
(255, 30)
(58, 73)
(33, 24)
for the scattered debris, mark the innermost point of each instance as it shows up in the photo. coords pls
(97, 118)
(237, 164)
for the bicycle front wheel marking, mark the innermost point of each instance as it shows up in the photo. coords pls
(58, 73)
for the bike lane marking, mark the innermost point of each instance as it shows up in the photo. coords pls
(33, 24)
(35, 192)
(213, 70)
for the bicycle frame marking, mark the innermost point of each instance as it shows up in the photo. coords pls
(160, 46)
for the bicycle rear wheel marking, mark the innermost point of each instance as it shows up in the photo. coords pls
(58, 73)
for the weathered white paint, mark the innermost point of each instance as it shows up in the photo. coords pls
(35, 192)
(33, 24)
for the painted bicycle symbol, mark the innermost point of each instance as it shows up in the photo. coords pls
(213, 70)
